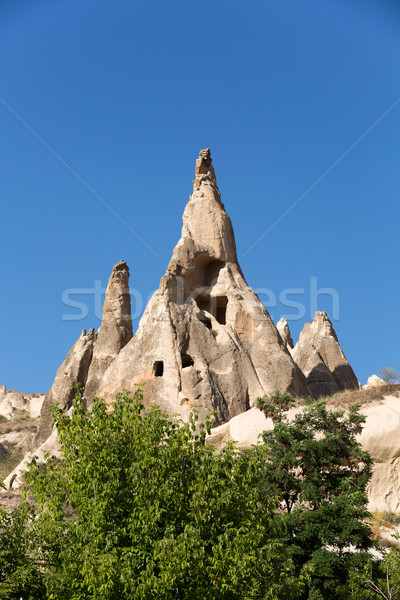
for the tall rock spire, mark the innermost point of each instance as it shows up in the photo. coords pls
(284, 331)
(205, 338)
(207, 229)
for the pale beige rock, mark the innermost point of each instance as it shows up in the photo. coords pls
(205, 338)
(380, 437)
(10, 401)
(73, 370)
(86, 361)
(284, 331)
(322, 360)
(374, 381)
(245, 429)
(49, 447)
(115, 330)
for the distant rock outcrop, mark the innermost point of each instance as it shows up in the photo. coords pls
(320, 357)
(10, 401)
(374, 381)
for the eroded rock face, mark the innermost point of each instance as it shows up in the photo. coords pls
(374, 381)
(115, 330)
(284, 331)
(92, 353)
(11, 401)
(205, 338)
(320, 357)
(73, 370)
(48, 447)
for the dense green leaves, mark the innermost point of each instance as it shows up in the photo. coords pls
(321, 471)
(140, 508)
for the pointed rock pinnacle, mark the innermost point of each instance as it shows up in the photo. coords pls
(204, 172)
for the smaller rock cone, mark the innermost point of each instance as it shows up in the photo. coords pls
(284, 331)
(322, 360)
(115, 330)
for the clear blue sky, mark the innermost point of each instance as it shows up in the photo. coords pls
(127, 93)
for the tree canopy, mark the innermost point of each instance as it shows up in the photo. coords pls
(140, 507)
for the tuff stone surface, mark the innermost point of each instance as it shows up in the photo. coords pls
(374, 381)
(10, 401)
(115, 330)
(322, 360)
(73, 370)
(284, 331)
(204, 310)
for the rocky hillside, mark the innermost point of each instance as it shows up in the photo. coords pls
(19, 422)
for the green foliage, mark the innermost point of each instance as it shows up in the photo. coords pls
(389, 375)
(140, 508)
(321, 472)
(386, 582)
(20, 572)
(275, 406)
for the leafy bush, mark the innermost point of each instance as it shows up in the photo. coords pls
(140, 508)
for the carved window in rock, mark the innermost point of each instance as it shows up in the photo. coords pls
(215, 305)
(158, 368)
(187, 361)
(206, 271)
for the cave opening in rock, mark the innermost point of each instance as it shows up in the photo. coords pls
(207, 270)
(158, 368)
(222, 302)
(215, 305)
(187, 361)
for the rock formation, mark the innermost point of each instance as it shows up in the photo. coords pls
(205, 337)
(92, 353)
(320, 357)
(115, 330)
(73, 370)
(374, 381)
(10, 401)
(284, 331)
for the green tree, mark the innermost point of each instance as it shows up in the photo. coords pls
(20, 572)
(139, 507)
(383, 578)
(321, 472)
